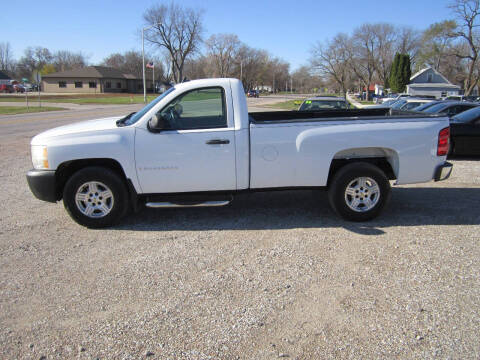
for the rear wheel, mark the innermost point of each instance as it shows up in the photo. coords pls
(359, 191)
(95, 197)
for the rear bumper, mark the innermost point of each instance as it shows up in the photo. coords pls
(443, 171)
(42, 184)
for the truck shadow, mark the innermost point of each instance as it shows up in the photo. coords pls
(310, 209)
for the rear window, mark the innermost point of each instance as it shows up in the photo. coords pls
(467, 116)
(436, 108)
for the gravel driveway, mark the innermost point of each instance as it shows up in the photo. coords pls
(274, 275)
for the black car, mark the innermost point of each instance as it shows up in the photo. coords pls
(465, 133)
(450, 108)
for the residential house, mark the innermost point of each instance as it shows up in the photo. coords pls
(430, 82)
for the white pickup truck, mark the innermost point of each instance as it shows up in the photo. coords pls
(197, 145)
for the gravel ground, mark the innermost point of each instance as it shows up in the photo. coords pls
(274, 275)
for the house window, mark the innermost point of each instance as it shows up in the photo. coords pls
(429, 78)
(108, 85)
(78, 84)
(119, 85)
(139, 86)
(62, 84)
(92, 84)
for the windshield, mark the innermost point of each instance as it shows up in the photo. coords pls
(312, 105)
(467, 116)
(137, 116)
(410, 105)
(437, 108)
(398, 104)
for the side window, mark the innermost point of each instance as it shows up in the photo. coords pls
(196, 109)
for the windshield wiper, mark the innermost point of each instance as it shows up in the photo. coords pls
(121, 122)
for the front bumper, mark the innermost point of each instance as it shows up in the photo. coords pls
(443, 171)
(42, 184)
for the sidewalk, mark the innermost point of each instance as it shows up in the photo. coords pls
(355, 102)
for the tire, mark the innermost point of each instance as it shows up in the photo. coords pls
(359, 191)
(83, 200)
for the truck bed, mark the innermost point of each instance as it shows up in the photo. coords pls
(327, 115)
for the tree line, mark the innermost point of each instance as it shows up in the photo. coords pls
(367, 55)
(372, 53)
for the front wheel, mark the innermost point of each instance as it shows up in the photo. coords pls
(95, 197)
(359, 191)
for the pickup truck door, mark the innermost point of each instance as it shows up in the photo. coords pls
(196, 149)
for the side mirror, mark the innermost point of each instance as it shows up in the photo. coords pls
(157, 123)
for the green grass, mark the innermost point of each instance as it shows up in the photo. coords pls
(286, 105)
(102, 99)
(114, 100)
(366, 102)
(81, 100)
(12, 110)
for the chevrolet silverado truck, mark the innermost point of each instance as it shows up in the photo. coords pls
(197, 145)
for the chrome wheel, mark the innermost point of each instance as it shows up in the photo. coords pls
(362, 194)
(94, 199)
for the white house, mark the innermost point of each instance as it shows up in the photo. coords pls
(430, 82)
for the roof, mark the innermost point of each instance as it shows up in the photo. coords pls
(4, 76)
(326, 98)
(91, 72)
(434, 85)
(417, 74)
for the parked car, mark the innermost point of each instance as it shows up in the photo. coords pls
(323, 103)
(465, 132)
(426, 105)
(18, 88)
(450, 108)
(412, 103)
(253, 93)
(6, 88)
(188, 147)
(27, 87)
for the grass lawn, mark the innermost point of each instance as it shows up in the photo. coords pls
(286, 105)
(12, 110)
(81, 99)
(114, 100)
(366, 102)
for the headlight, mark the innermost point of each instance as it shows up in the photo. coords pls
(39, 157)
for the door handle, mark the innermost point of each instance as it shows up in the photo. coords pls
(218, 141)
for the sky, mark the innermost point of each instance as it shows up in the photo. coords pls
(286, 29)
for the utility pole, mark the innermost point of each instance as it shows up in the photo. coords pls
(291, 86)
(143, 60)
(273, 88)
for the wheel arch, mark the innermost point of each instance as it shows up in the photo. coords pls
(66, 169)
(385, 159)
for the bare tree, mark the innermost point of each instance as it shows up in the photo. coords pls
(361, 52)
(177, 30)
(66, 60)
(385, 38)
(436, 43)
(466, 12)
(33, 59)
(6, 57)
(222, 50)
(408, 42)
(306, 82)
(331, 60)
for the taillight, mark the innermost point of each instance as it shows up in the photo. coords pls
(443, 142)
